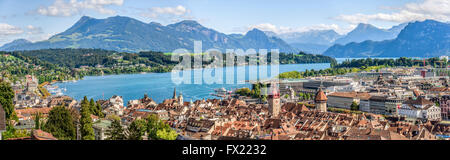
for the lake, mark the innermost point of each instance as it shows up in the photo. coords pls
(159, 86)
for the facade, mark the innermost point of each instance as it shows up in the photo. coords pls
(100, 129)
(114, 106)
(392, 105)
(364, 105)
(377, 104)
(345, 99)
(341, 100)
(274, 102)
(444, 103)
(420, 108)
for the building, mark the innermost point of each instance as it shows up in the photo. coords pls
(41, 135)
(444, 103)
(2, 121)
(364, 103)
(420, 108)
(114, 106)
(274, 102)
(321, 101)
(377, 104)
(345, 99)
(100, 128)
(392, 105)
(31, 83)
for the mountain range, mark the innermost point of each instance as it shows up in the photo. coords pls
(364, 32)
(427, 38)
(126, 34)
(317, 41)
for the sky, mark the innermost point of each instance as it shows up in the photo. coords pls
(37, 20)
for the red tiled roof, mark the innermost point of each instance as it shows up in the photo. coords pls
(320, 96)
(41, 135)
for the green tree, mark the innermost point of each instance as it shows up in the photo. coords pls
(115, 131)
(87, 132)
(137, 129)
(354, 106)
(159, 130)
(99, 110)
(6, 100)
(37, 121)
(92, 107)
(167, 134)
(152, 126)
(60, 124)
(11, 132)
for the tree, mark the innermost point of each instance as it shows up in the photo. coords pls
(159, 130)
(87, 132)
(167, 134)
(115, 131)
(6, 99)
(152, 126)
(137, 129)
(60, 124)
(11, 132)
(354, 106)
(92, 107)
(37, 121)
(99, 110)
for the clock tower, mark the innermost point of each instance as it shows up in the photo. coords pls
(274, 101)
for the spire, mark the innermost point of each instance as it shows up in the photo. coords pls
(175, 93)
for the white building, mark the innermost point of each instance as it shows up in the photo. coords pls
(420, 108)
(115, 106)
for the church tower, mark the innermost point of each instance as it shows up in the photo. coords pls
(321, 101)
(174, 93)
(180, 99)
(274, 101)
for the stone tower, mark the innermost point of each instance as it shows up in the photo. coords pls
(274, 101)
(321, 101)
(180, 99)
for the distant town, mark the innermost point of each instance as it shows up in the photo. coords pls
(394, 103)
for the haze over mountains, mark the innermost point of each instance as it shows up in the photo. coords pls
(124, 34)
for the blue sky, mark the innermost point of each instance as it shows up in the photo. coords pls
(39, 19)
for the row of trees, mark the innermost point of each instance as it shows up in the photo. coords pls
(152, 126)
(61, 124)
(402, 61)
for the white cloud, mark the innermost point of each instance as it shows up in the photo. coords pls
(283, 29)
(34, 30)
(68, 8)
(174, 13)
(8, 30)
(426, 9)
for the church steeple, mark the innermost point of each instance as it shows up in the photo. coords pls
(175, 93)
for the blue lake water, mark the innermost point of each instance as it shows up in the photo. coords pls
(159, 86)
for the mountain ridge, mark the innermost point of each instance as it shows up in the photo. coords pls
(427, 38)
(125, 34)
